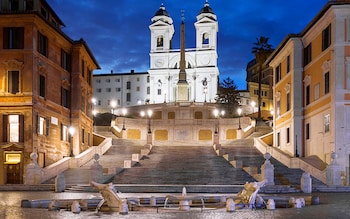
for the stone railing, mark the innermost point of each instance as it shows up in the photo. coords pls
(53, 170)
(292, 162)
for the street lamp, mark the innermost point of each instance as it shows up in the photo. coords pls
(216, 114)
(149, 113)
(71, 131)
(253, 106)
(113, 104)
(239, 111)
(124, 113)
(205, 94)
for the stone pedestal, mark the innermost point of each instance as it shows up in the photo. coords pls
(96, 170)
(306, 183)
(267, 170)
(239, 133)
(60, 183)
(149, 138)
(184, 205)
(34, 172)
(333, 172)
(216, 139)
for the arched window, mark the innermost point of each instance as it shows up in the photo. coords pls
(160, 41)
(205, 40)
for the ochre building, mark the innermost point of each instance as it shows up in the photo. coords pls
(45, 88)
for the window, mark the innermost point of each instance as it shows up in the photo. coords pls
(278, 107)
(326, 83)
(128, 85)
(160, 41)
(205, 40)
(14, 5)
(159, 91)
(64, 133)
(117, 80)
(128, 97)
(98, 90)
(28, 5)
(147, 79)
(98, 81)
(137, 79)
(148, 90)
(326, 38)
(42, 86)
(13, 82)
(288, 135)
(13, 128)
(137, 88)
(256, 92)
(83, 68)
(83, 103)
(13, 38)
(326, 123)
(288, 101)
(278, 73)
(43, 126)
(66, 60)
(317, 91)
(108, 89)
(65, 95)
(82, 135)
(44, 13)
(288, 64)
(89, 77)
(307, 131)
(307, 54)
(278, 139)
(307, 95)
(42, 44)
(118, 89)
(108, 80)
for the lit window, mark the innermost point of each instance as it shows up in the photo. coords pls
(326, 123)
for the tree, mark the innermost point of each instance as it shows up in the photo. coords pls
(261, 49)
(227, 95)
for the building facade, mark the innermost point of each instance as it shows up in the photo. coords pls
(201, 62)
(253, 71)
(312, 88)
(117, 90)
(45, 88)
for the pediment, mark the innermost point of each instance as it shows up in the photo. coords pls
(12, 147)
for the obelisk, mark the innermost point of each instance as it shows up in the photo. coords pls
(182, 85)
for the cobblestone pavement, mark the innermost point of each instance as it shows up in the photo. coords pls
(334, 205)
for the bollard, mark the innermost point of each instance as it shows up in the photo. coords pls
(75, 207)
(230, 205)
(315, 200)
(53, 205)
(153, 201)
(222, 199)
(184, 205)
(123, 207)
(271, 204)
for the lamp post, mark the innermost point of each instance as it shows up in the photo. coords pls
(216, 114)
(113, 104)
(71, 131)
(253, 106)
(205, 94)
(149, 113)
(124, 111)
(239, 111)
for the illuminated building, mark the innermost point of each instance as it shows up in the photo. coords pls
(45, 88)
(312, 88)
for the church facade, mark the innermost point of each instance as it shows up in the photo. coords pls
(200, 63)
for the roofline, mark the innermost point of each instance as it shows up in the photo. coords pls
(83, 42)
(121, 74)
(307, 27)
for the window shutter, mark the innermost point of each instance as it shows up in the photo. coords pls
(47, 127)
(21, 128)
(37, 124)
(4, 127)
(6, 38)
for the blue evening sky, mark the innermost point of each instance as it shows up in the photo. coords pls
(118, 35)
